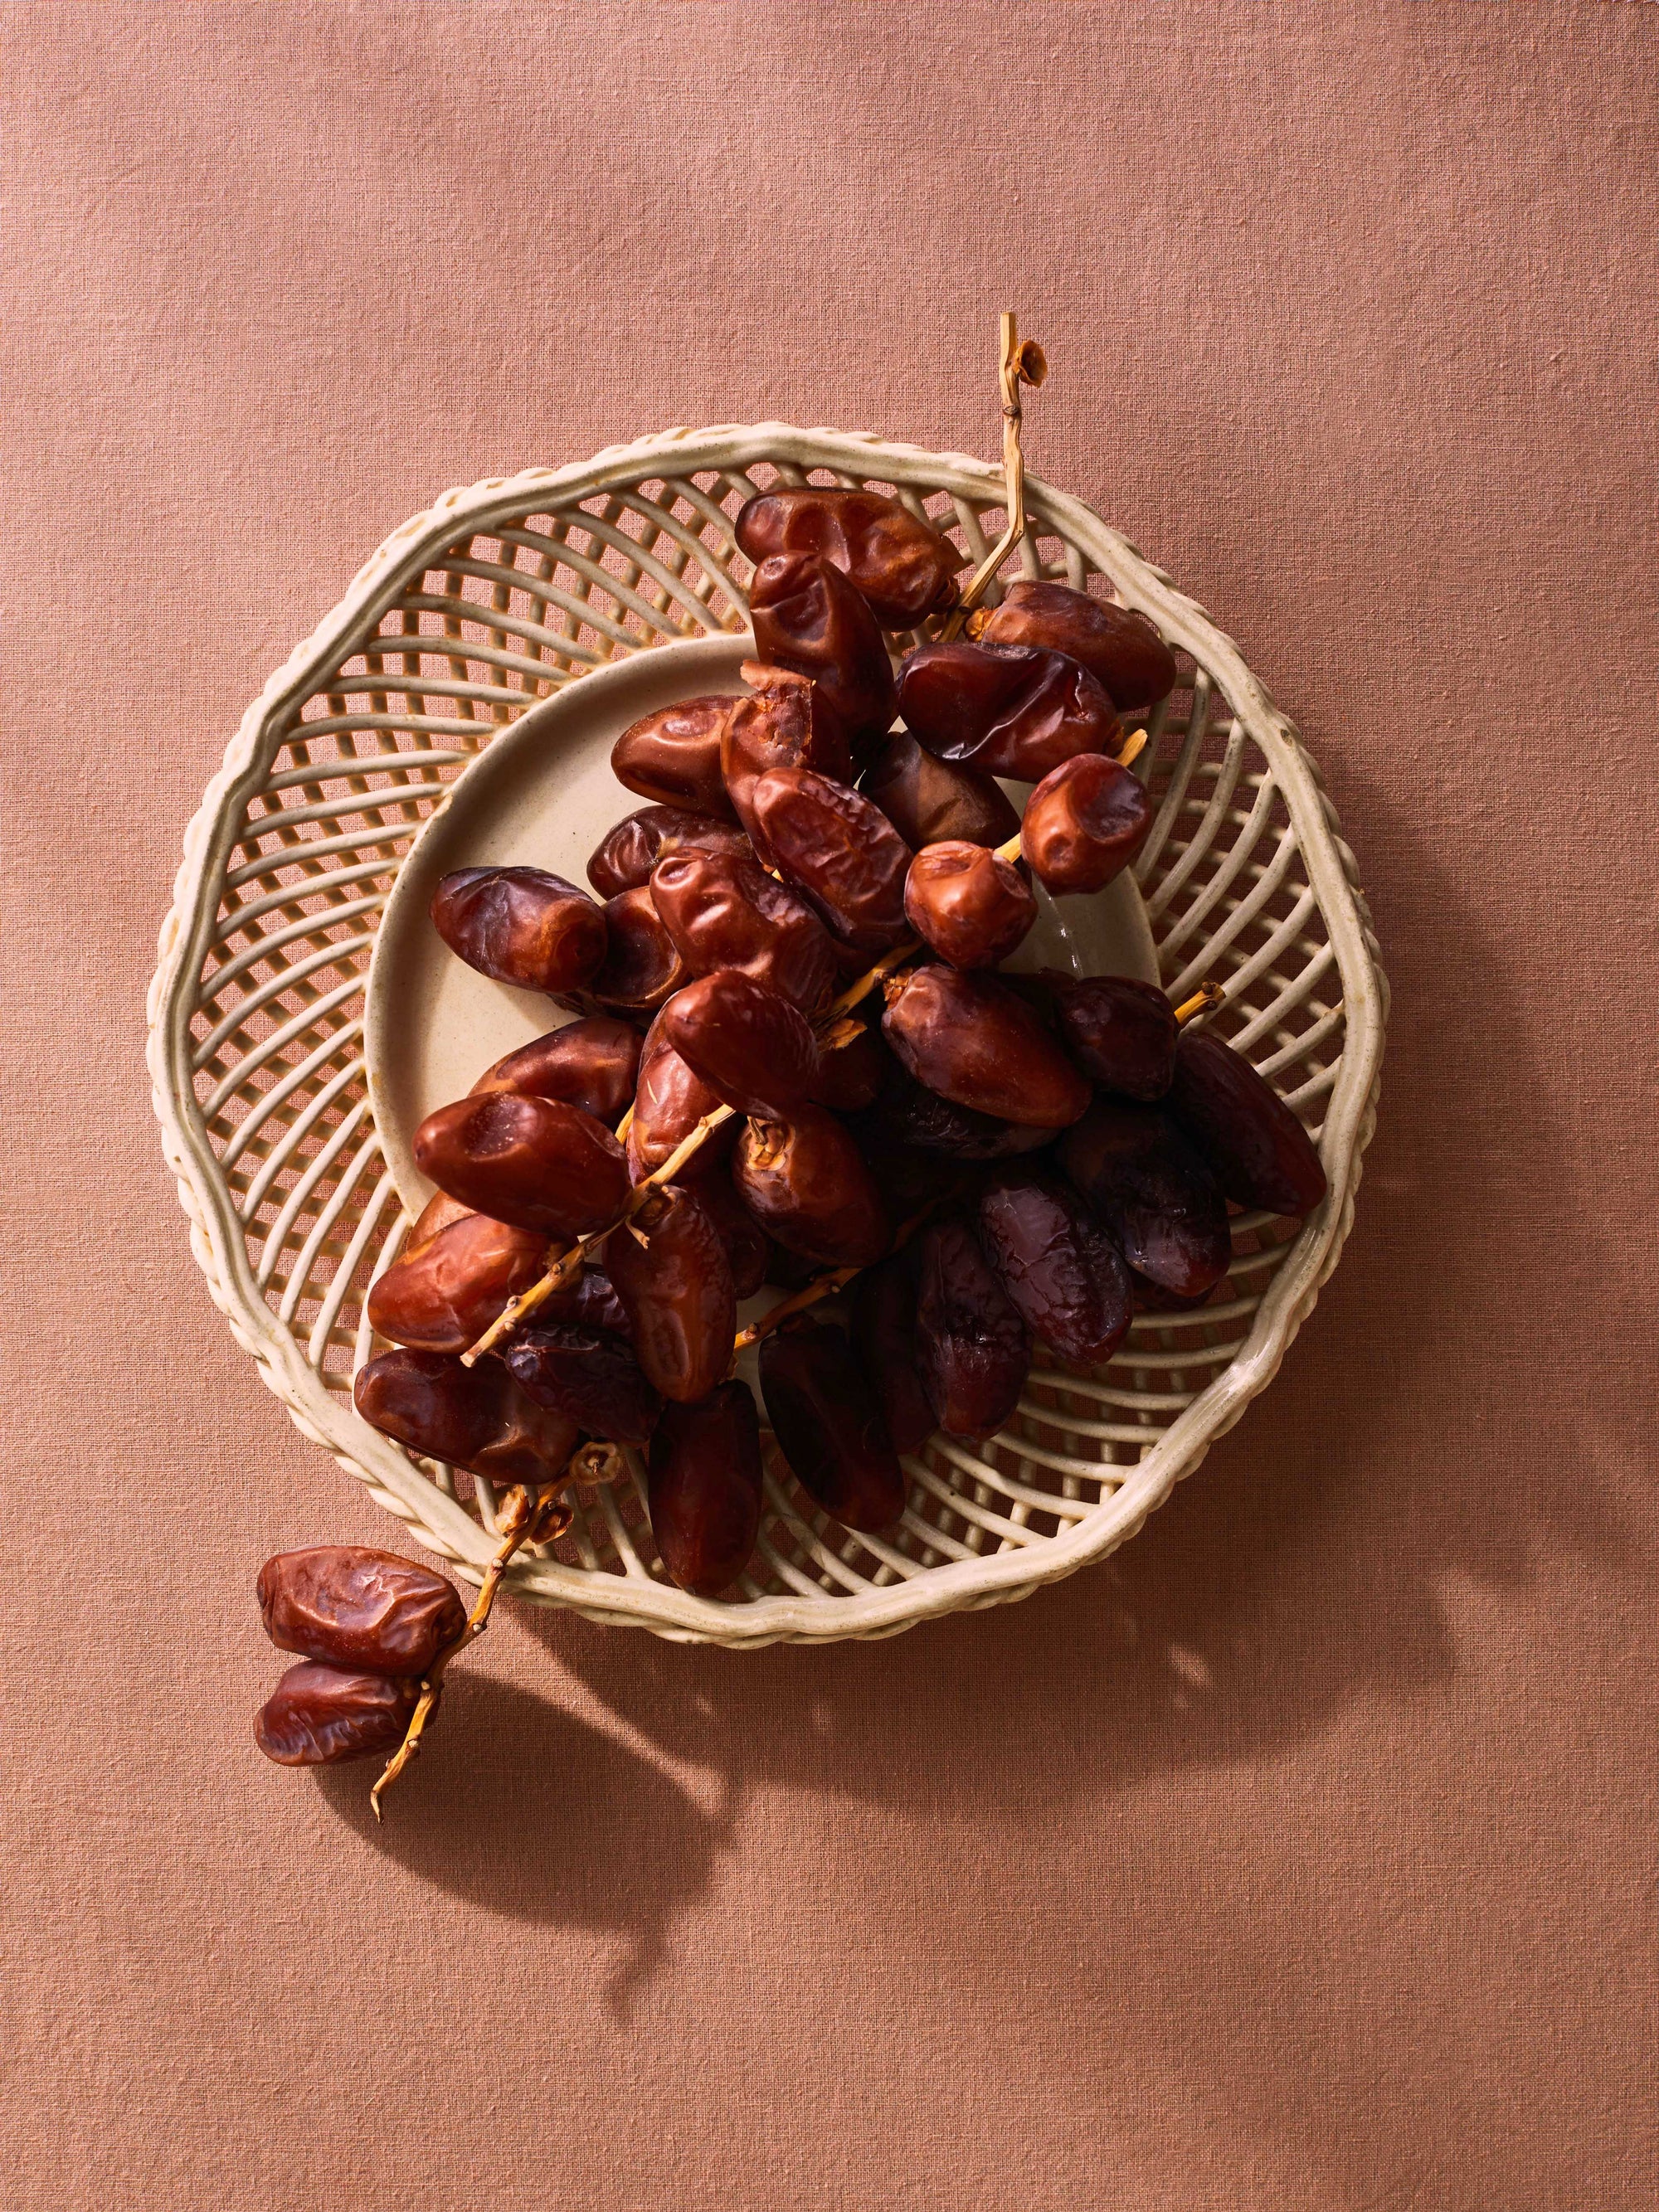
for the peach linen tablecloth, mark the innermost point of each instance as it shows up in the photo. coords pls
(1303, 1855)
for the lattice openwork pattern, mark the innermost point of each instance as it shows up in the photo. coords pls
(468, 614)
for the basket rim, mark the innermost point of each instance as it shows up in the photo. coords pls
(217, 1238)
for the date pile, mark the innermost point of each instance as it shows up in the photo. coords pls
(1000, 1159)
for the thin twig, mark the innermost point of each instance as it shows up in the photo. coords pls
(825, 1285)
(1019, 364)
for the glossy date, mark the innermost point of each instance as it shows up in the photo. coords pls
(829, 1426)
(1152, 1188)
(806, 1183)
(930, 801)
(752, 1048)
(446, 1294)
(1120, 1031)
(807, 616)
(471, 1417)
(900, 566)
(674, 755)
(704, 1489)
(641, 968)
(1260, 1153)
(972, 907)
(359, 1608)
(723, 911)
(1065, 1276)
(781, 725)
(671, 1271)
(1084, 823)
(322, 1716)
(975, 1042)
(587, 1375)
(521, 926)
(593, 1063)
(843, 852)
(1012, 710)
(624, 857)
(972, 1351)
(1119, 646)
(536, 1163)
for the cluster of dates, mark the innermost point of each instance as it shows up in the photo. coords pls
(1060, 1146)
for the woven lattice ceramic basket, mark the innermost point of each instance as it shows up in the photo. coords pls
(469, 615)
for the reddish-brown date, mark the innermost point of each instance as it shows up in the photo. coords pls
(357, 1607)
(670, 1269)
(674, 757)
(829, 1426)
(1148, 1183)
(1119, 646)
(884, 1335)
(668, 1105)
(521, 926)
(807, 616)
(319, 1715)
(975, 1042)
(748, 1248)
(781, 725)
(1009, 710)
(1120, 1031)
(447, 1292)
(471, 1417)
(641, 968)
(725, 911)
(840, 849)
(1258, 1151)
(929, 801)
(440, 1211)
(704, 1489)
(970, 906)
(972, 1346)
(1083, 824)
(590, 1376)
(536, 1163)
(624, 857)
(593, 1063)
(752, 1048)
(899, 565)
(851, 1075)
(806, 1183)
(1065, 1276)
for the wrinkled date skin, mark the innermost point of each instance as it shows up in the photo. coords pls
(806, 1183)
(536, 1163)
(472, 1416)
(1119, 1031)
(851, 1075)
(748, 1247)
(624, 857)
(704, 1491)
(752, 1048)
(591, 1377)
(1119, 645)
(668, 1105)
(1083, 824)
(902, 568)
(678, 1288)
(884, 1334)
(445, 1295)
(930, 801)
(1258, 1151)
(841, 850)
(829, 1426)
(975, 1042)
(1149, 1185)
(909, 1114)
(521, 926)
(1067, 1279)
(781, 726)
(1012, 710)
(593, 1063)
(972, 907)
(674, 757)
(971, 1346)
(590, 1299)
(321, 1715)
(808, 617)
(725, 911)
(359, 1608)
(641, 969)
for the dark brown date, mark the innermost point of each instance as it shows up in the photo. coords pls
(624, 857)
(884, 1335)
(1149, 1185)
(590, 1300)
(674, 757)
(1258, 1151)
(829, 1426)
(1083, 824)
(445, 1295)
(807, 616)
(521, 926)
(930, 801)
(1119, 646)
(899, 565)
(782, 726)
(909, 1178)
(668, 1105)
(642, 969)
(806, 1183)
(972, 907)
(671, 1271)
(748, 1247)
(1120, 1031)
(910, 1114)
(591, 1377)
(1012, 710)
(975, 1042)
(704, 1491)
(971, 1346)
(358, 1608)
(723, 911)
(472, 1416)
(752, 1048)
(319, 1715)
(840, 849)
(535, 1162)
(851, 1075)
(1068, 1280)
(593, 1063)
